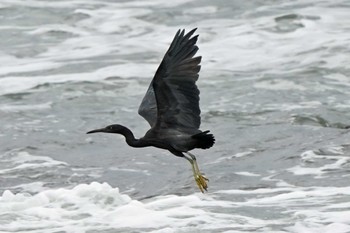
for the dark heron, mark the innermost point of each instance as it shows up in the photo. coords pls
(171, 106)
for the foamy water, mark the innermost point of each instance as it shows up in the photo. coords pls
(274, 91)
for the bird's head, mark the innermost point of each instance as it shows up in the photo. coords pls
(109, 129)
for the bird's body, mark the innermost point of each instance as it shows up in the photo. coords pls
(171, 106)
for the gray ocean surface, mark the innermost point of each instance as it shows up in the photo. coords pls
(275, 92)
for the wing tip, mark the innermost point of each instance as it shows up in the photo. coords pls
(182, 33)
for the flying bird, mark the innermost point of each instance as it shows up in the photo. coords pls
(171, 106)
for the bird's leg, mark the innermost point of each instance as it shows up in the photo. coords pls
(199, 178)
(194, 160)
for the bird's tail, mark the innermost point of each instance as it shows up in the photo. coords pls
(204, 140)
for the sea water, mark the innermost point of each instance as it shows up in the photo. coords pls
(275, 93)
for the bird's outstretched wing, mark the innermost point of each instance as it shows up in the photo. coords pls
(148, 106)
(172, 99)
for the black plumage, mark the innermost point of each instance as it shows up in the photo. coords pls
(171, 106)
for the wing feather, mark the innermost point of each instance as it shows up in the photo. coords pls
(172, 99)
(177, 95)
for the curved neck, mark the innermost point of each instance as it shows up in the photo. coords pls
(130, 138)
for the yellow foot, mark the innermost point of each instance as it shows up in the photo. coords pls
(201, 182)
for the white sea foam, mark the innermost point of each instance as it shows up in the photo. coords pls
(246, 174)
(113, 27)
(25, 65)
(230, 157)
(99, 207)
(58, 27)
(17, 108)
(293, 106)
(24, 161)
(17, 84)
(279, 85)
(36, 169)
(332, 160)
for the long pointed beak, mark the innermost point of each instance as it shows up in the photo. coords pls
(103, 130)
